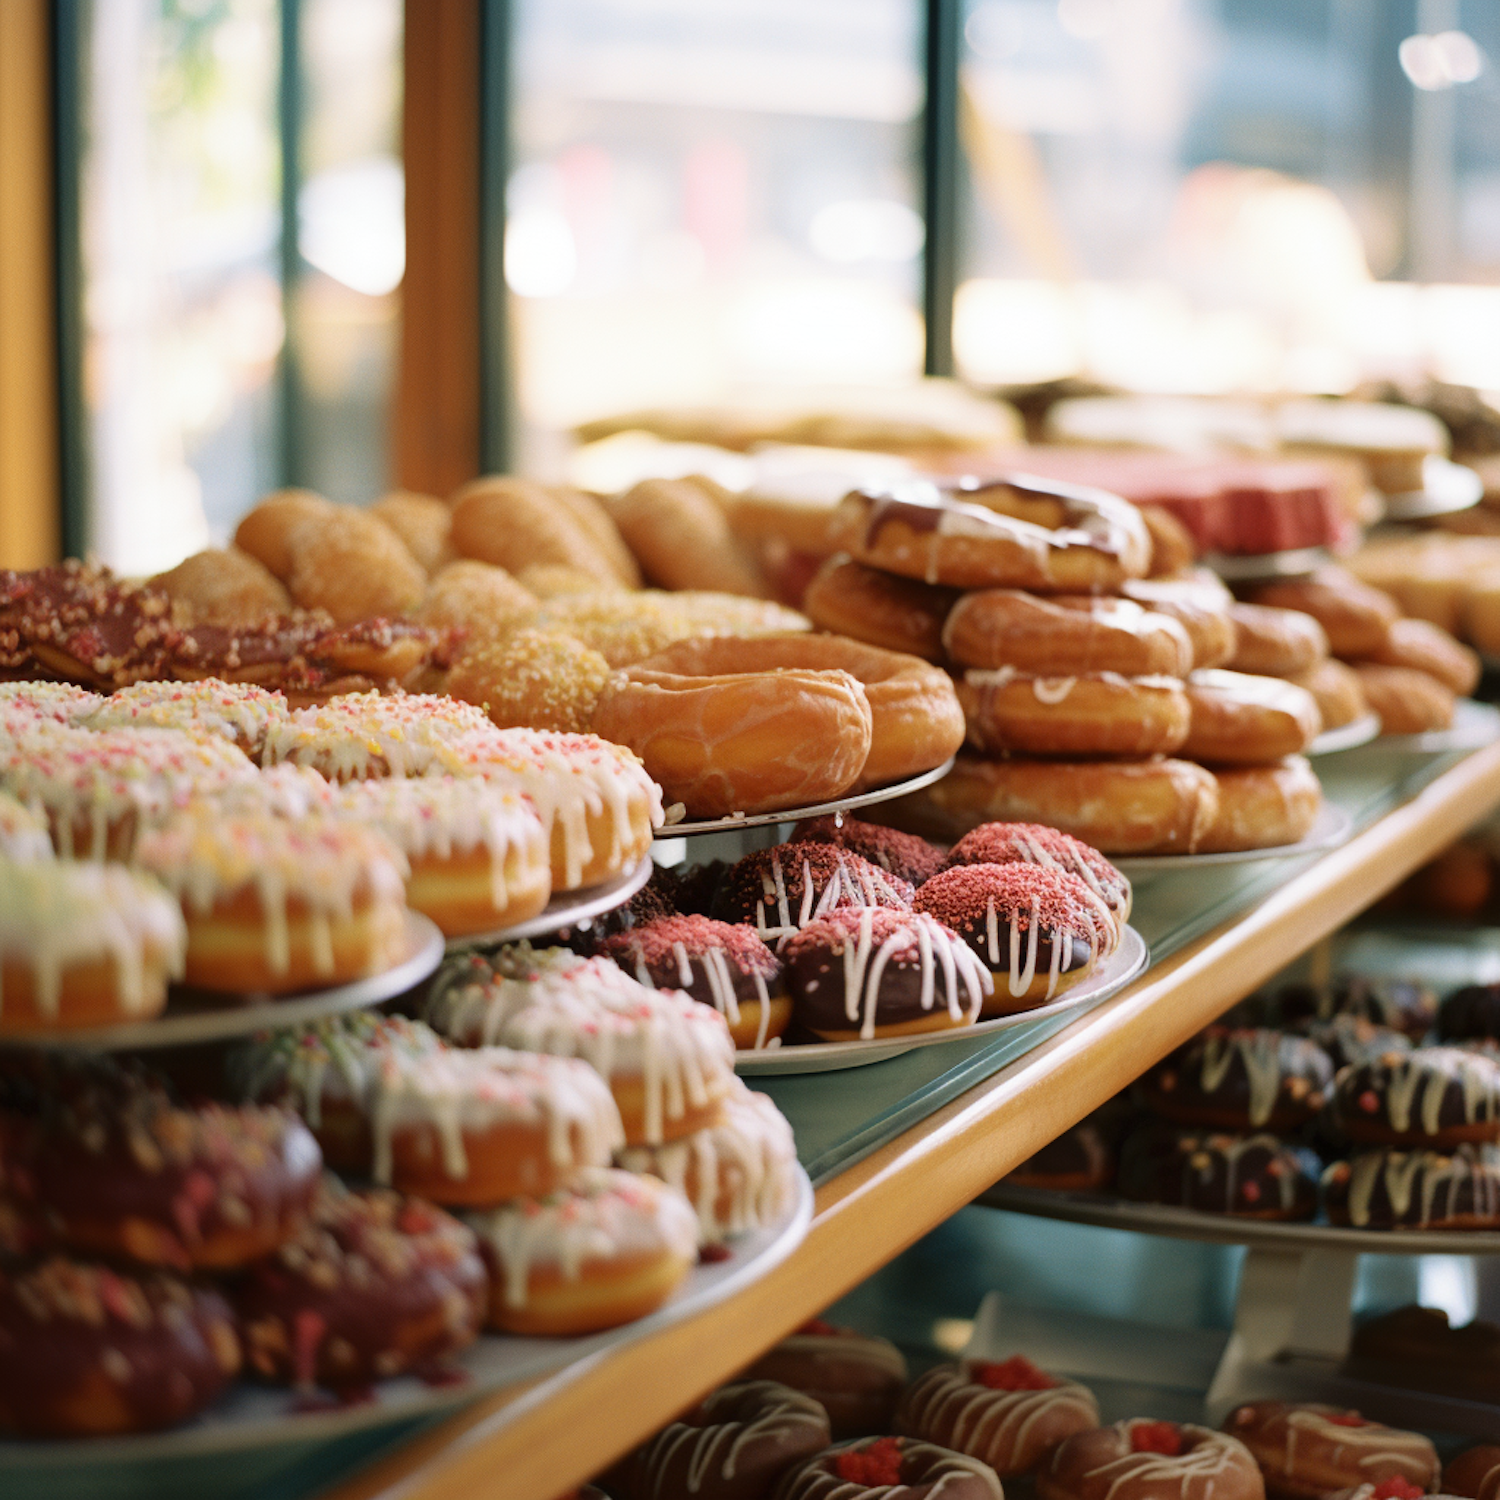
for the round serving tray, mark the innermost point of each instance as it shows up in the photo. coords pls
(1446, 487)
(1298, 562)
(800, 814)
(1358, 731)
(1474, 726)
(254, 1416)
(1123, 965)
(209, 1016)
(566, 909)
(1330, 829)
(1226, 1229)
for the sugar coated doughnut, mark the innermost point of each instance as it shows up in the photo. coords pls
(856, 1378)
(1337, 691)
(372, 1286)
(1241, 719)
(606, 1250)
(779, 890)
(1036, 844)
(224, 586)
(1431, 1097)
(1275, 642)
(1200, 603)
(422, 522)
(538, 679)
(92, 1351)
(1356, 617)
(351, 564)
(1416, 1189)
(890, 1466)
(1143, 1459)
(235, 711)
(681, 536)
(884, 609)
(1264, 807)
(265, 529)
(1066, 634)
(1408, 701)
(903, 855)
(1242, 1078)
(483, 601)
(1093, 713)
(513, 522)
(1006, 1413)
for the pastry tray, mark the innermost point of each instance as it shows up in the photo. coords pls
(1447, 487)
(1331, 828)
(1297, 562)
(1356, 732)
(1474, 726)
(566, 909)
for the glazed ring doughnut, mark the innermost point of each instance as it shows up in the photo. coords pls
(606, 1250)
(1200, 603)
(1336, 690)
(856, 1378)
(1016, 533)
(1238, 719)
(92, 1351)
(1066, 634)
(1356, 617)
(1093, 713)
(1166, 1461)
(1306, 1450)
(733, 1445)
(1429, 648)
(1408, 701)
(1120, 807)
(423, 523)
(890, 1466)
(1275, 642)
(1264, 807)
(883, 609)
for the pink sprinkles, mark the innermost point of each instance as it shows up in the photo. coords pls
(960, 897)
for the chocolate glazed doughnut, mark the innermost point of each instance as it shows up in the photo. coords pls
(857, 1379)
(1162, 1460)
(890, 1468)
(733, 1445)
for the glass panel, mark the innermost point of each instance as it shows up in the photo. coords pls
(710, 196)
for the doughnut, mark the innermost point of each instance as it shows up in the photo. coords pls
(595, 797)
(1172, 544)
(782, 889)
(1408, 701)
(116, 1169)
(275, 906)
(1238, 718)
(733, 1445)
(739, 1175)
(1065, 635)
(351, 564)
(1042, 931)
(556, 580)
(92, 1352)
(593, 516)
(514, 523)
(1434, 1097)
(1470, 1013)
(720, 964)
(422, 522)
(1429, 648)
(83, 945)
(1152, 1460)
(623, 628)
(681, 537)
(265, 529)
(1241, 1078)
(1356, 617)
(1012, 533)
(1275, 642)
(1006, 1413)
(608, 1249)
(477, 852)
(224, 586)
(61, 702)
(1036, 844)
(1094, 713)
(890, 1466)
(1350, 1039)
(536, 679)
(863, 972)
(856, 1378)
(1118, 807)
(1307, 1450)
(1080, 1160)
(1404, 1005)
(99, 791)
(668, 1060)
(373, 1285)
(1248, 1176)
(1416, 1189)
(23, 833)
(1337, 691)
(903, 855)
(1464, 1475)
(882, 609)
(1415, 1347)
(235, 711)
(1200, 603)
(483, 601)
(1264, 807)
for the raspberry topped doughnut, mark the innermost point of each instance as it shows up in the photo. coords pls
(890, 1468)
(1433, 1097)
(721, 964)
(1157, 1460)
(1007, 1413)
(1306, 1450)
(1051, 849)
(1241, 1078)
(91, 1351)
(780, 890)
(855, 1377)
(862, 972)
(375, 1284)
(1041, 930)
(903, 855)
(235, 711)
(733, 1444)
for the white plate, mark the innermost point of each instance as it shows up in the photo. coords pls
(1358, 731)
(1330, 829)
(564, 910)
(1127, 961)
(1474, 726)
(204, 1016)
(1446, 487)
(816, 810)
(255, 1416)
(1296, 562)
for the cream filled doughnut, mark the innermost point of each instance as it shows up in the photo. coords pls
(1239, 719)
(1036, 844)
(235, 711)
(1093, 713)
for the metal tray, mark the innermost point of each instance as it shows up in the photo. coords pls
(1358, 731)
(1330, 829)
(1298, 562)
(1446, 487)
(564, 910)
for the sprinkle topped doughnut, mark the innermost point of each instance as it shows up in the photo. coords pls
(234, 711)
(1415, 1190)
(1044, 929)
(903, 855)
(779, 890)
(372, 734)
(867, 971)
(23, 833)
(1242, 1078)
(1036, 844)
(60, 702)
(1433, 1096)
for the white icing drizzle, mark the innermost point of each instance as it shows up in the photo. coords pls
(1465, 1182)
(849, 885)
(1198, 1469)
(1413, 1086)
(1266, 1057)
(356, 735)
(234, 711)
(23, 832)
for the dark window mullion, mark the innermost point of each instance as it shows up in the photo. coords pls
(940, 168)
(67, 159)
(496, 412)
(290, 417)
